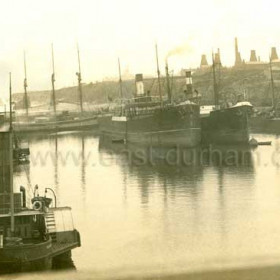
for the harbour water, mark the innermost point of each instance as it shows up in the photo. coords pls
(150, 211)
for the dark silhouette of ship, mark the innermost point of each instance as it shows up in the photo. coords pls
(268, 121)
(152, 120)
(225, 124)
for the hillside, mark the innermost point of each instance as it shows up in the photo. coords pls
(254, 81)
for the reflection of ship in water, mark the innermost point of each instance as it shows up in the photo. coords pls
(146, 119)
(178, 169)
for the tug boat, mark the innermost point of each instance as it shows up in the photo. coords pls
(42, 236)
(34, 237)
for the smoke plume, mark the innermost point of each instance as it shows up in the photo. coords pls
(180, 50)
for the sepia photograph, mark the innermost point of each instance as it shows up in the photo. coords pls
(139, 139)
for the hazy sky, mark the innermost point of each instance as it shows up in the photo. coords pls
(106, 29)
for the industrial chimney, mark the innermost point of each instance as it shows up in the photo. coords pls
(217, 58)
(238, 60)
(203, 62)
(253, 56)
(139, 85)
(274, 55)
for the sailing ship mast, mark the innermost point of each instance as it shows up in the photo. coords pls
(158, 73)
(79, 75)
(169, 93)
(272, 84)
(11, 162)
(25, 87)
(53, 88)
(215, 85)
(120, 83)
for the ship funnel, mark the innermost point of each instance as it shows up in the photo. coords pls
(274, 55)
(253, 56)
(139, 84)
(23, 191)
(189, 83)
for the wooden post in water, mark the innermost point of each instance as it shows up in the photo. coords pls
(25, 87)
(53, 87)
(272, 85)
(79, 75)
(158, 73)
(11, 162)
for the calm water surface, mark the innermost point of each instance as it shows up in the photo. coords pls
(142, 211)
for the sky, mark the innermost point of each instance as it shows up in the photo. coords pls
(128, 29)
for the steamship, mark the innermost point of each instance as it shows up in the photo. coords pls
(34, 235)
(148, 120)
(268, 121)
(224, 125)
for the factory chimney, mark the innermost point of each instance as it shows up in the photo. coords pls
(217, 58)
(238, 60)
(253, 56)
(274, 55)
(203, 62)
(139, 85)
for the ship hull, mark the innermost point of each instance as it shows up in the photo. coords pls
(80, 124)
(185, 137)
(264, 125)
(39, 256)
(226, 126)
(26, 257)
(170, 127)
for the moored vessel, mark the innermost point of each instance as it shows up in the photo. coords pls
(267, 121)
(225, 125)
(55, 121)
(32, 237)
(154, 120)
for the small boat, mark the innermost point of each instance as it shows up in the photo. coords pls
(21, 151)
(34, 237)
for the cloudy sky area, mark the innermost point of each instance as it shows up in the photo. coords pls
(108, 29)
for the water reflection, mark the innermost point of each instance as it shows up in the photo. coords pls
(179, 170)
(168, 208)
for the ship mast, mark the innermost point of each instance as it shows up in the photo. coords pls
(79, 75)
(272, 84)
(215, 85)
(158, 73)
(11, 163)
(169, 93)
(25, 87)
(53, 88)
(120, 83)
